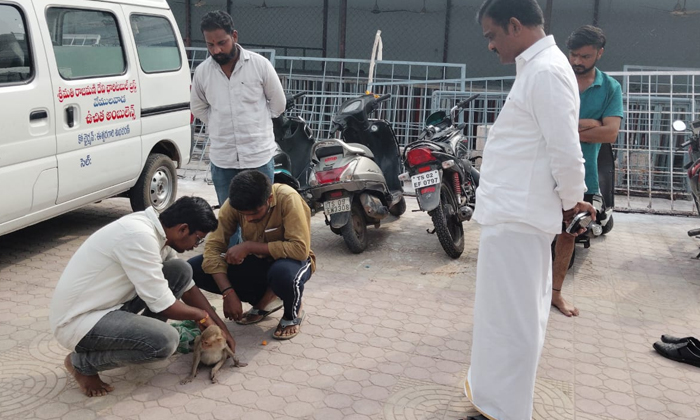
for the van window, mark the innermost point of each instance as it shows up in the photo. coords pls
(156, 44)
(86, 43)
(15, 59)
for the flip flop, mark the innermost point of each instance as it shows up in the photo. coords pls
(274, 306)
(284, 323)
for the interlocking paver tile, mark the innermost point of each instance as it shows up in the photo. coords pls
(387, 334)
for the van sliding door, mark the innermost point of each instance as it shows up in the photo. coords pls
(96, 95)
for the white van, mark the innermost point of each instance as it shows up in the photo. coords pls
(94, 103)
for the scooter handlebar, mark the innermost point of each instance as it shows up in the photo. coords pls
(291, 100)
(465, 102)
(580, 220)
(384, 97)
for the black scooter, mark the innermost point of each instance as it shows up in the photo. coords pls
(444, 179)
(294, 142)
(692, 147)
(603, 203)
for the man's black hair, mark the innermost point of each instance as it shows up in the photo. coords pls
(194, 211)
(528, 12)
(249, 190)
(217, 20)
(584, 36)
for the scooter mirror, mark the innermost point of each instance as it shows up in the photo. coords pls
(679, 125)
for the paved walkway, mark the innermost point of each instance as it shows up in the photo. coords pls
(387, 334)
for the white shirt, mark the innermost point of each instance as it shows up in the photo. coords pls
(238, 111)
(533, 165)
(118, 262)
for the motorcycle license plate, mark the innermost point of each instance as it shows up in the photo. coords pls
(425, 179)
(336, 206)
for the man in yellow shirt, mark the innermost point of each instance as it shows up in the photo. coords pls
(274, 259)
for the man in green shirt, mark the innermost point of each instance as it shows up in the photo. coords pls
(599, 122)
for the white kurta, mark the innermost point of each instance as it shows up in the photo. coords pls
(532, 169)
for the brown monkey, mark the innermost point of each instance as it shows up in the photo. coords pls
(210, 348)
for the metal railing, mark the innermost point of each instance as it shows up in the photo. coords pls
(330, 82)
(195, 55)
(649, 163)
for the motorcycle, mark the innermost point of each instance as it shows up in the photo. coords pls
(444, 179)
(355, 178)
(693, 165)
(294, 142)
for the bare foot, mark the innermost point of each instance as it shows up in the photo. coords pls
(92, 386)
(564, 307)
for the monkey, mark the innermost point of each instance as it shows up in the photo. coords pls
(211, 348)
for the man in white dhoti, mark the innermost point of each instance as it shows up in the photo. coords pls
(532, 178)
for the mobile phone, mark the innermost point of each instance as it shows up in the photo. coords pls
(581, 220)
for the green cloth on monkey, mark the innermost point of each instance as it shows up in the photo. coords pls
(188, 331)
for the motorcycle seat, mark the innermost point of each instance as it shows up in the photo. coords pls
(360, 149)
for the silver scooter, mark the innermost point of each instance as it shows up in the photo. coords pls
(355, 179)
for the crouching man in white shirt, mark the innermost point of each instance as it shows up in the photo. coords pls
(127, 267)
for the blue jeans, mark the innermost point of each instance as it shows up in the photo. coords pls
(222, 178)
(222, 181)
(123, 338)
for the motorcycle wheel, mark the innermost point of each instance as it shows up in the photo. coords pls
(449, 230)
(399, 208)
(608, 226)
(355, 231)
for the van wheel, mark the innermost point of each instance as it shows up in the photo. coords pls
(157, 185)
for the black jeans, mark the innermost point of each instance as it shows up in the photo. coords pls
(250, 279)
